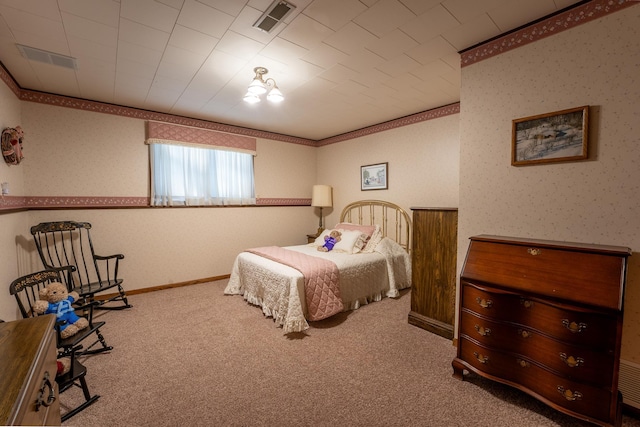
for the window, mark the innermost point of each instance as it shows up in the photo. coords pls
(193, 176)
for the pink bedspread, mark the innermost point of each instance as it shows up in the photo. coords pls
(321, 279)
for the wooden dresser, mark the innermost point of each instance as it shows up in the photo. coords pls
(433, 260)
(546, 318)
(28, 389)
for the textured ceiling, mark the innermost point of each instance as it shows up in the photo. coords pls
(341, 64)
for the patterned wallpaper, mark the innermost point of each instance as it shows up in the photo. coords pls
(591, 201)
(538, 31)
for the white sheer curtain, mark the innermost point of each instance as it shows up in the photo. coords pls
(194, 176)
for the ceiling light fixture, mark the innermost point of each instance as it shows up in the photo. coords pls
(260, 86)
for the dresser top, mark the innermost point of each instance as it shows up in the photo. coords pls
(580, 273)
(574, 246)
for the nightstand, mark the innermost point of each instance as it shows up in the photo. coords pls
(312, 237)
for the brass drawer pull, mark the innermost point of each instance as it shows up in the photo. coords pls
(526, 303)
(523, 363)
(523, 333)
(572, 362)
(484, 303)
(569, 395)
(481, 358)
(46, 383)
(573, 326)
(534, 251)
(485, 332)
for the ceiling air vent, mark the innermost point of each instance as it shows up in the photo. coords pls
(39, 55)
(274, 14)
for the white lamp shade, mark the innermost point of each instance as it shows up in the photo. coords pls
(251, 98)
(322, 196)
(257, 87)
(275, 95)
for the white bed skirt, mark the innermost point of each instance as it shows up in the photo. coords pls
(279, 289)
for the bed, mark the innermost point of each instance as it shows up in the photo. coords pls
(371, 262)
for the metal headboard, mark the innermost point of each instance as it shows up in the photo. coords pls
(394, 221)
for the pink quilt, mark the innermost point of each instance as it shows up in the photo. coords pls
(321, 279)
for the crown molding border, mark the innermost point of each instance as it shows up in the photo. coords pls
(543, 28)
(435, 113)
(8, 79)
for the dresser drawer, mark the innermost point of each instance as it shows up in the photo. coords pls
(582, 364)
(28, 353)
(560, 321)
(42, 389)
(524, 374)
(553, 271)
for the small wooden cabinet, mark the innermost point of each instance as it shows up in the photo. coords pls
(312, 237)
(434, 254)
(28, 389)
(546, 318)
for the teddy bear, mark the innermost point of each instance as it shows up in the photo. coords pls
(55, 299)
(330, 240)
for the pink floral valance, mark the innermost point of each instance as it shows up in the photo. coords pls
(167, 133)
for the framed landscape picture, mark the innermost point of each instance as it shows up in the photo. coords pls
(374, 177)
(560, 136)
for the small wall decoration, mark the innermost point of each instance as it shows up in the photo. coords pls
(560, 136)
(12, 145)
(374, 177)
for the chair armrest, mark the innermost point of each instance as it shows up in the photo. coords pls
(67, 268)
(109, 266)
(89, 305)
(101, 257)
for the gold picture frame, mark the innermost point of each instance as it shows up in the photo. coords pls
(561, 136)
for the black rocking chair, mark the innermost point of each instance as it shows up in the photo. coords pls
(64, 243)
(26, 290)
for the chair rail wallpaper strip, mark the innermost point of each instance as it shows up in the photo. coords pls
(16, 203)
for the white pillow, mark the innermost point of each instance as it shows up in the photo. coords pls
(351, 241)
(320, 239)
(365, 229)
(373, 240)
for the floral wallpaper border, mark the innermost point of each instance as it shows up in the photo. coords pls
(60, 202)
(393, 124)
(545, 28)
